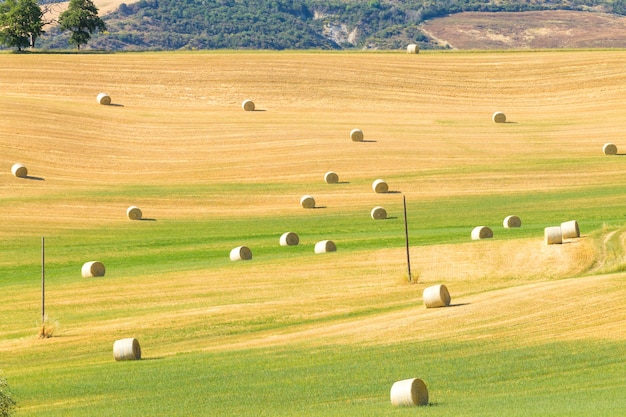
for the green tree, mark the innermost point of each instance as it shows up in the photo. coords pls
(21, 23)
(619, 7)
(6, 401)
(81, 18)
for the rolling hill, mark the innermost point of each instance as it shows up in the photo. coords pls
(532, 330)
(528, 30)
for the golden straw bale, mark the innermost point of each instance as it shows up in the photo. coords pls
(380, 186)
(552, 235)
(241, 253)
(307, 201)
(609, 149)
(482, 232)
(19, 170)
(134, 213)
(499, 117)
(248, 105)
(93, 269)
(409, 392)
(331, 177)
(356, 135)
(104, 99)
(378, 213)
(126, 349)
(570, 229)
(412, 49)
(436, 296)
(289, 239)
(512, 221)
(325, 246)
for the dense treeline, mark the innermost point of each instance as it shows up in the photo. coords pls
(209, 24)
(293, 24)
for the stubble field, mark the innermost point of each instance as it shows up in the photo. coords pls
(533, 330)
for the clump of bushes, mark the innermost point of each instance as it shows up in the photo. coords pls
(6, 400)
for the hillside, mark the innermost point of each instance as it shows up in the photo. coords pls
(316, 24)
(532, 330)
(523, 30)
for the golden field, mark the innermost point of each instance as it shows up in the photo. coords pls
(176, 128)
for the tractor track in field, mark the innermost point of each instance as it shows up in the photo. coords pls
(610, 258)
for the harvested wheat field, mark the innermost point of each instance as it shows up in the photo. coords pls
(528, 324)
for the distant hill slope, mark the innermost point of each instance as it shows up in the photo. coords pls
(358, 24)
(541, 29)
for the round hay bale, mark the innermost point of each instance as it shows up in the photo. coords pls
(609, 149)
(356, 135)
(19, 170)
(307, 202)
(248, 105)
(552, 235)
(126, 349)
(104, 99)
(436, 296)
(289, 239)
(511, 221)
(413, 49)
(481, 232)
(325, 246)
(499, 117)
(93, 269)
(134, 213)
(380, 186)
(409, 392)
(378, 213)
(241, 253)
(570, 229)
(331, 177)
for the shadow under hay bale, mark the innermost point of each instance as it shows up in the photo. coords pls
(412, 49)
(289, 239)
(409, 392)
(499, 117)
(552, 235)
(331, 177)
(378, 213)
(19, 170)
(380, 186)
(436, 296)
(356, 135)
(325, 246)
(609, 149)
(241, 253)
(482, 232)
(104, 99)
(511, 221)
(248, 105)
(307, 202)
(126, 349)
(134, 213)
(570, 229)
(93, 269)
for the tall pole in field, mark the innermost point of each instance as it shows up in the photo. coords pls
(406, 238)
(43, 287)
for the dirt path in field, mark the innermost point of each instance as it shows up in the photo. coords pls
(612, 250)
(604, 250)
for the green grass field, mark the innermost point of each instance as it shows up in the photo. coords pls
(533, 329)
